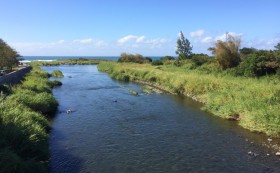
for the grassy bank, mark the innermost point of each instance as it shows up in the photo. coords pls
(254, 102)
(24, 126)
(80, 61)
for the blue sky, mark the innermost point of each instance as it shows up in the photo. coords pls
(148, 27)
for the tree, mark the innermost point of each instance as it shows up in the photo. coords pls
(277, 47)
(183, 47)
(245, 51)
(227, 53)
(8, 56)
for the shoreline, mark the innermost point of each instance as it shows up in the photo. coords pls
(164, 80)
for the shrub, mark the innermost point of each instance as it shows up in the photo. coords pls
(137, 58)
(227, 53)
(157, 62)
(40, 102)
(148, 59)
(199, 59)
(5, 89)
(167, 58)
(259, 64)
(57, 74)
(55, 83)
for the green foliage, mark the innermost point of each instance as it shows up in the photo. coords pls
(184, 47)
(8, 56)
(277, 47)
(245, 52)
(199, 59)
(55, 83)
(258, 64)
(23, 126)
(40, 102)
(227, 53)
(137, 58)
(254, 102)
(167, 58)
(57, 74)
(148, 59)
(5, 89)
(157, 62)
(79, 61)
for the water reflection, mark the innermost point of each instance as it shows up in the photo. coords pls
(112, 130)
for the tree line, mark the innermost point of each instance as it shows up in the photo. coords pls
(227, 56)
(8, 56)
(249, 62)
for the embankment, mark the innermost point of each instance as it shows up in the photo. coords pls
(14, 77)
(253, 102)
(24, 126)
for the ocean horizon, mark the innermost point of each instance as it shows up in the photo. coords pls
(53, 58)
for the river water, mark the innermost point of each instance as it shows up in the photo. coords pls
(111, 130)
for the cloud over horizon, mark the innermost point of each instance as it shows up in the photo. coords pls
(130, 43)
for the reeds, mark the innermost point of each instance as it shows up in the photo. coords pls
(254, 102)
(23, 124)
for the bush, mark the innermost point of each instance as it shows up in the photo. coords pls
(55, 83)
(5, 89)
(167, 58)
(132, 58)
(199, 59)
(43, 102)
(148, 59)
(157, 62)
(57, 74)
(259, 64)
(227, 53)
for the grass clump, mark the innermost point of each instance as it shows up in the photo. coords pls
(57, 74)
(254, 102)
(23, 124)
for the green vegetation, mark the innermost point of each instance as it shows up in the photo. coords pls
(157, 62)
(23, 124)
(254, 102)
(8, 56)
(184, 48)
(227, 52)
(133, 58)
(57, 74)
(80, 61)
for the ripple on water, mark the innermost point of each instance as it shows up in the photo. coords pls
(148, 133)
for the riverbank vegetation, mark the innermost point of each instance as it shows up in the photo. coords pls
(23, 123)
(57, 74)
(243, 87)
(79, 61)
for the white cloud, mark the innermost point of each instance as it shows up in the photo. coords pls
(61, 41)
(207, 40)
(223, 36)
(267, 44)
(197, 33)
(135, 41)
(129, 38)
(140, 39)
(84, 41)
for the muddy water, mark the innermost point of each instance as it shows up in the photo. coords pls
(112, 130)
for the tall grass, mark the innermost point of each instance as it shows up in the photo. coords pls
(255, 102)
(23, 124)
(57, 74)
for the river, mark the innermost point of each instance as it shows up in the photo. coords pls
(111, 130)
